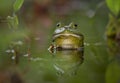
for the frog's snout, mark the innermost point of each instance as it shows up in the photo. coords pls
(66, 27)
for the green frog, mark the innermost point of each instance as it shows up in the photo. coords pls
(67, 37)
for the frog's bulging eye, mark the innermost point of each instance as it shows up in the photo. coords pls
(75, 25)
(58, 25)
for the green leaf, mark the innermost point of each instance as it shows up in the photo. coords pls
(17, 5)
(114, 6)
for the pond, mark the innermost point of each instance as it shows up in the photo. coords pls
(25, 58)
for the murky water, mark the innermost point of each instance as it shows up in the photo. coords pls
(19, 63)
(25, 61)
(67, 66)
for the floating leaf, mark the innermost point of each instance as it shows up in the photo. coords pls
(114, 6)
(17, 5)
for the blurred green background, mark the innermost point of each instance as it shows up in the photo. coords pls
(24, 55)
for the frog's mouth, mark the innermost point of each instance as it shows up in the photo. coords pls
(68, 34)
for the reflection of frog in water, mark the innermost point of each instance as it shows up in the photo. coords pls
(67, 62)
(66, 37)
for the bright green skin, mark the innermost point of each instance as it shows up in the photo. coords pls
(67, 38)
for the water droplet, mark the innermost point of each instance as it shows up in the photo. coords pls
(8, 51)
(98, 44)
(13, 51)
(86, 44)
(90, 13)
(26, 55)
(13, 57)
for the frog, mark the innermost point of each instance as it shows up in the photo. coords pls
(67, 37)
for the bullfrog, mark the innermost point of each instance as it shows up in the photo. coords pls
(66, 37)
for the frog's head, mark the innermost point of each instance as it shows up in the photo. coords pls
(68, 29)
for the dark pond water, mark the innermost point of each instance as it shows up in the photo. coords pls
(28, 63)
(19, 65)
(60, 67)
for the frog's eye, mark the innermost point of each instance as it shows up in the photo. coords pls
(58, 25)
(73, 26)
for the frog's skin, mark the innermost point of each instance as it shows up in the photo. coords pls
(66, 37)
